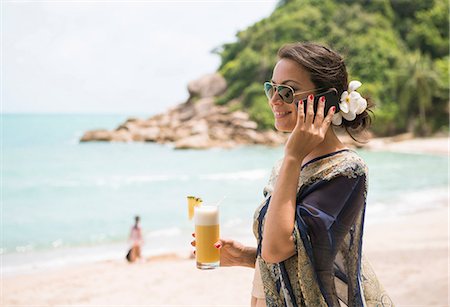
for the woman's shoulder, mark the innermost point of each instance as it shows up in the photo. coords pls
(346, 163)
(353, 164)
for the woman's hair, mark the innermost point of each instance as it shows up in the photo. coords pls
(326, 70)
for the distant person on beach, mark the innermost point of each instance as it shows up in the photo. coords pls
(136, 241)
(309, 227)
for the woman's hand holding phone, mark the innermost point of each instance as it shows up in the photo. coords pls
(310, 128)
(331, 99)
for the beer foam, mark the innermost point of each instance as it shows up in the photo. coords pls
(206, 215)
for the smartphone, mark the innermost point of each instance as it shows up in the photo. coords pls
(331, 99)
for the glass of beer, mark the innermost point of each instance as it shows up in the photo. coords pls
(206, 219)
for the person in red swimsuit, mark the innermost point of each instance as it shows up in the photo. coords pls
(136, 241)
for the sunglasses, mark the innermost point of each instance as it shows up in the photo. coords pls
(285, 92)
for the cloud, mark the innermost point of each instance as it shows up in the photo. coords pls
(113, 56)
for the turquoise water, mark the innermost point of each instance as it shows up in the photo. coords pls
(60, 194)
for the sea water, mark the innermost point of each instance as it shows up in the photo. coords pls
(64, 201)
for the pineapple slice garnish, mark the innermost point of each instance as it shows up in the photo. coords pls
(193, 202)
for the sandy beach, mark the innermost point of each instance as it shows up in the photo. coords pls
(402, 143)
(409, 254)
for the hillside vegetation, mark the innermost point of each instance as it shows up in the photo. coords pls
(398, 49)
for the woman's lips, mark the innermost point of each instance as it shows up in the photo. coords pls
(281, 114)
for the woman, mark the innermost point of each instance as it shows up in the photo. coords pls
(136, 240)
(309, 227)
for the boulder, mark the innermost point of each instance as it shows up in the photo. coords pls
(253, 136)
(199, 141)
(97, 135)
(207, 86)
(164, 120)
(200, 127)
(165, 135)
(204, 107)
(246, 124)
(182, 132)
(150, 123)
(149, 134)
(239, 115)
(121, 136)
(186, 113)
(221, 133)
(273, 138)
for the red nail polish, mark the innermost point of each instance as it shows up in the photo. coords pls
(300, 102)
(217, 245)
(333, 109)
(322, 99)
(310, 97)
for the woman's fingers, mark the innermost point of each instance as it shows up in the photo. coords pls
(320, 110)
(222, 242)
(193, 242)
(218, 244)
(310, 110)
(327, 121)
(300, 112)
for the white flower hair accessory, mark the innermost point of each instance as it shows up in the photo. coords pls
(352, 104)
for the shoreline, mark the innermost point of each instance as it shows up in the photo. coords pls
(429, 145)
(174, 246)
(399, 252)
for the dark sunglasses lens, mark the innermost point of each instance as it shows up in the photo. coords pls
(286, 94)
(268, 89)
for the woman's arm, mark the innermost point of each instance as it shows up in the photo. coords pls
(278, 243)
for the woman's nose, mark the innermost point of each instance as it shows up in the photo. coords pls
(276, 99)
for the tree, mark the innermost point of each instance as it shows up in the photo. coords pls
(416, 82)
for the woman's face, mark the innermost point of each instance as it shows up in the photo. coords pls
(290, 73)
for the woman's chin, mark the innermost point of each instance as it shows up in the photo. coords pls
(282, 127)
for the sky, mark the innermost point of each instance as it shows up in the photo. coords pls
(122, 57)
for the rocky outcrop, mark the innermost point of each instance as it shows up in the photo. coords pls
(197, 123)
(106, 136)
(207, 86)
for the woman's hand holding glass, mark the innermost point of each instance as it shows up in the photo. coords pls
(310, 129)
(233, 253)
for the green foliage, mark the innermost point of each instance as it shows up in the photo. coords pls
(386, 119)
(416, 83)
(442, 69)
(441, 100)
(430, 31)
(256, 104)
(398, 49)
(261, 113)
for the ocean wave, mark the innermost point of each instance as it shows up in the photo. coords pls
(57, 243)
(407, 202)
(233, 223)
(25, 248)
(167, 232)
(114, 181)
(117, 181)
(32, 260)
(256, 174)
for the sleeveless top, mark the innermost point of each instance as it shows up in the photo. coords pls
(328, 268)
